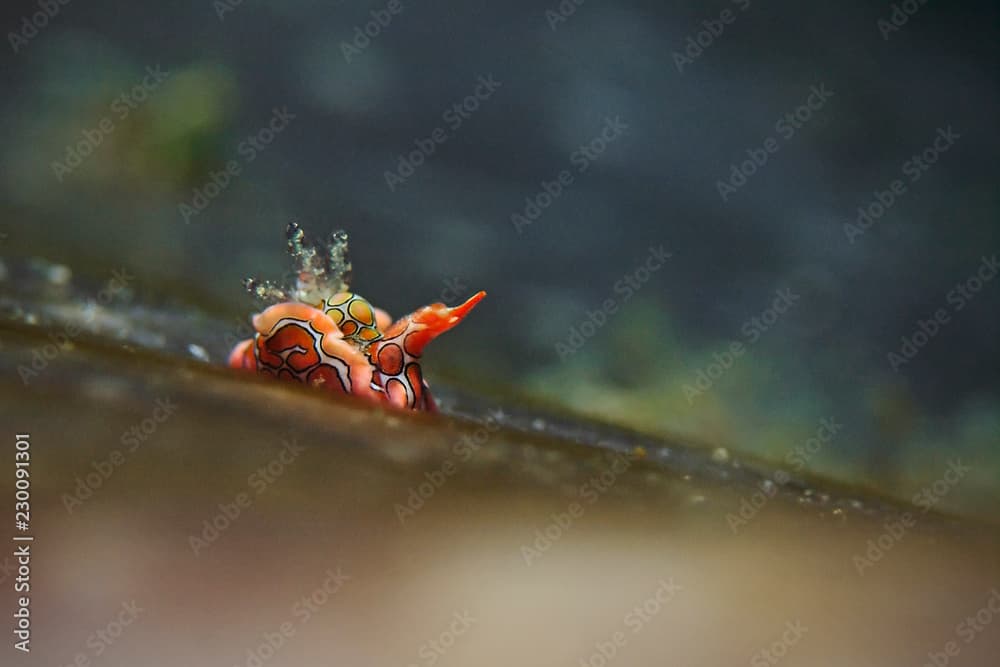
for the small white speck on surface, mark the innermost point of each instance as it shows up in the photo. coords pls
(720, 455)
(57, 274)
(198, 352)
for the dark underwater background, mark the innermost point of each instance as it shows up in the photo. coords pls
(684, 93)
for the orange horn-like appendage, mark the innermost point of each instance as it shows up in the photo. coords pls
(431, 321)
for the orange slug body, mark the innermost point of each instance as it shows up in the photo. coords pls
(319, 333)
(345, 345)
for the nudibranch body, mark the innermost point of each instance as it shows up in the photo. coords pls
(325, 336)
